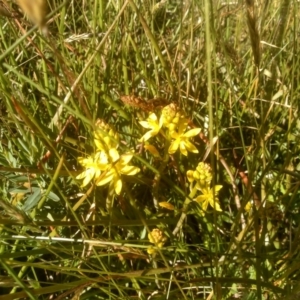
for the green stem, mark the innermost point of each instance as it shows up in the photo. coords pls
(187, 201)
(157, 176)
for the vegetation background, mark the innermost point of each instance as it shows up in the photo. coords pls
(232, 67)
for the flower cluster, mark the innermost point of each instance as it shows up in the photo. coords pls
(202, 175)
(106, 165)
(174, 120)
(156, 237)
(272, 211)
(172, 116)
(105, 136)
(200, 179)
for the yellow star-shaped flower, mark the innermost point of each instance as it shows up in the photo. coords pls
(117, 165)
(94, 165)
(181, 139)
(210, 196)
(153, 124)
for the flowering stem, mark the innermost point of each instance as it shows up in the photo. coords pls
(110, 198)
(157, 176)
(187, 201)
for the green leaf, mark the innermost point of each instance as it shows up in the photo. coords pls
(53, 197)
(32, 200)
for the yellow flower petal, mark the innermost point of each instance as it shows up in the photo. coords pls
(248, 206)
(126, 158)
(151, 250)
(216, 206)
(86, 161)
(118, 186)
(190, 147)
(196, 175)
(114, 154)
(145, 124)
(173, 147)
(152, 118)
(99, 144)
(160, 245)
(87, 175)
(152, 149)
(192, 132)
(147, 136)
(87, 180)
(175, 135)
(81, 175)
(183, 149)
(161, 121)
(166, 205)
(217, 188)
(190, 175)
(130, 170)
(205, 205)
(105, 178)
(201, 198)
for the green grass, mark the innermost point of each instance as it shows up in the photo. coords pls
(232, 68)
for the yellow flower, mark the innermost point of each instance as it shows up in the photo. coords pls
(172, 116)
(210, 196)
(105, 137)
(153, 124)
(248, 206)
(181, 139)
(168, 113)
(157, 237)
(116, 166)
(151, 250)
(202, 174)
(94, 166)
